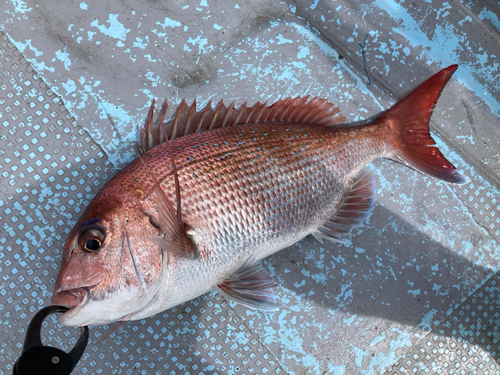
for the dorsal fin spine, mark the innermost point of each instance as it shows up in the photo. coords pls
(300, 114)
(214, 116)
(173, 128)
(316, 100)
(327, 105)
(286, 110)
(315, 114)
(298, 102)
(331, 112)
(259, 114)
(162, 134)
(307, 115)
(239, 114)
(199, 125)
(149, 125)
(298, 108)
(271, 114)
(192, 111)
(228, 113)
(277, 109)
(250, 114)
(284, 116)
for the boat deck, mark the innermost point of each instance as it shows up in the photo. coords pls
(415, 290)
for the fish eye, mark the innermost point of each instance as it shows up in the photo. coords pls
(91, 238)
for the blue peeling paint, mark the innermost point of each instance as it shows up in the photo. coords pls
(20, 6)
(141, 43)
(466, 19)
(201, 42)
(336, 370)
(39, 66)
(490, 16)
(442, 49)
(115, 29)
(303, 52)
(283, 40)
(314, 4)
(359, 355)
(69, 86)
(63, 56)
(27, 44)
(169, 23)
(308, 34)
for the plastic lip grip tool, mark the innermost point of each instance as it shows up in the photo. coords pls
(37, 359)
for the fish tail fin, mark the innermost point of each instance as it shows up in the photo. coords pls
(409, 119)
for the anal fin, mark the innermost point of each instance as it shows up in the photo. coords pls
(251, 285)
(355, 208)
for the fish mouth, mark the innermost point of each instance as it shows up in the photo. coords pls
(73, 298)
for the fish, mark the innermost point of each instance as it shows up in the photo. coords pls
(215, 191)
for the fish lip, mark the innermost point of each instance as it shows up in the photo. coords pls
(75, 299)
(71, 297)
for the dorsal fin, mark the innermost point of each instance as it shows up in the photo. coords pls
(355, 208)
(187, 120)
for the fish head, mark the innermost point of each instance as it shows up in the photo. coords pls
(110, 269)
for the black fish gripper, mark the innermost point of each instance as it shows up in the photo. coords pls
(37, 359)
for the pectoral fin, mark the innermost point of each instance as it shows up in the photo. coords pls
(251, 286)
(175, 239)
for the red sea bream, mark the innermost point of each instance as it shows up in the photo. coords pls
(231, 187)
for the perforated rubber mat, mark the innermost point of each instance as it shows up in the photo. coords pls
(415, 290)
(468, 342)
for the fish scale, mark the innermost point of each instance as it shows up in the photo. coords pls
(199, 211)
(255, 179)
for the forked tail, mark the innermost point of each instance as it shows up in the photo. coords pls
(409, 120)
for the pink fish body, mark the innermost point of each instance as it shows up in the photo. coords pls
(250, 182)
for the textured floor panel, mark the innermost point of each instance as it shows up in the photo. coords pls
(467, 343)
(199, 337)
(48, 165)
